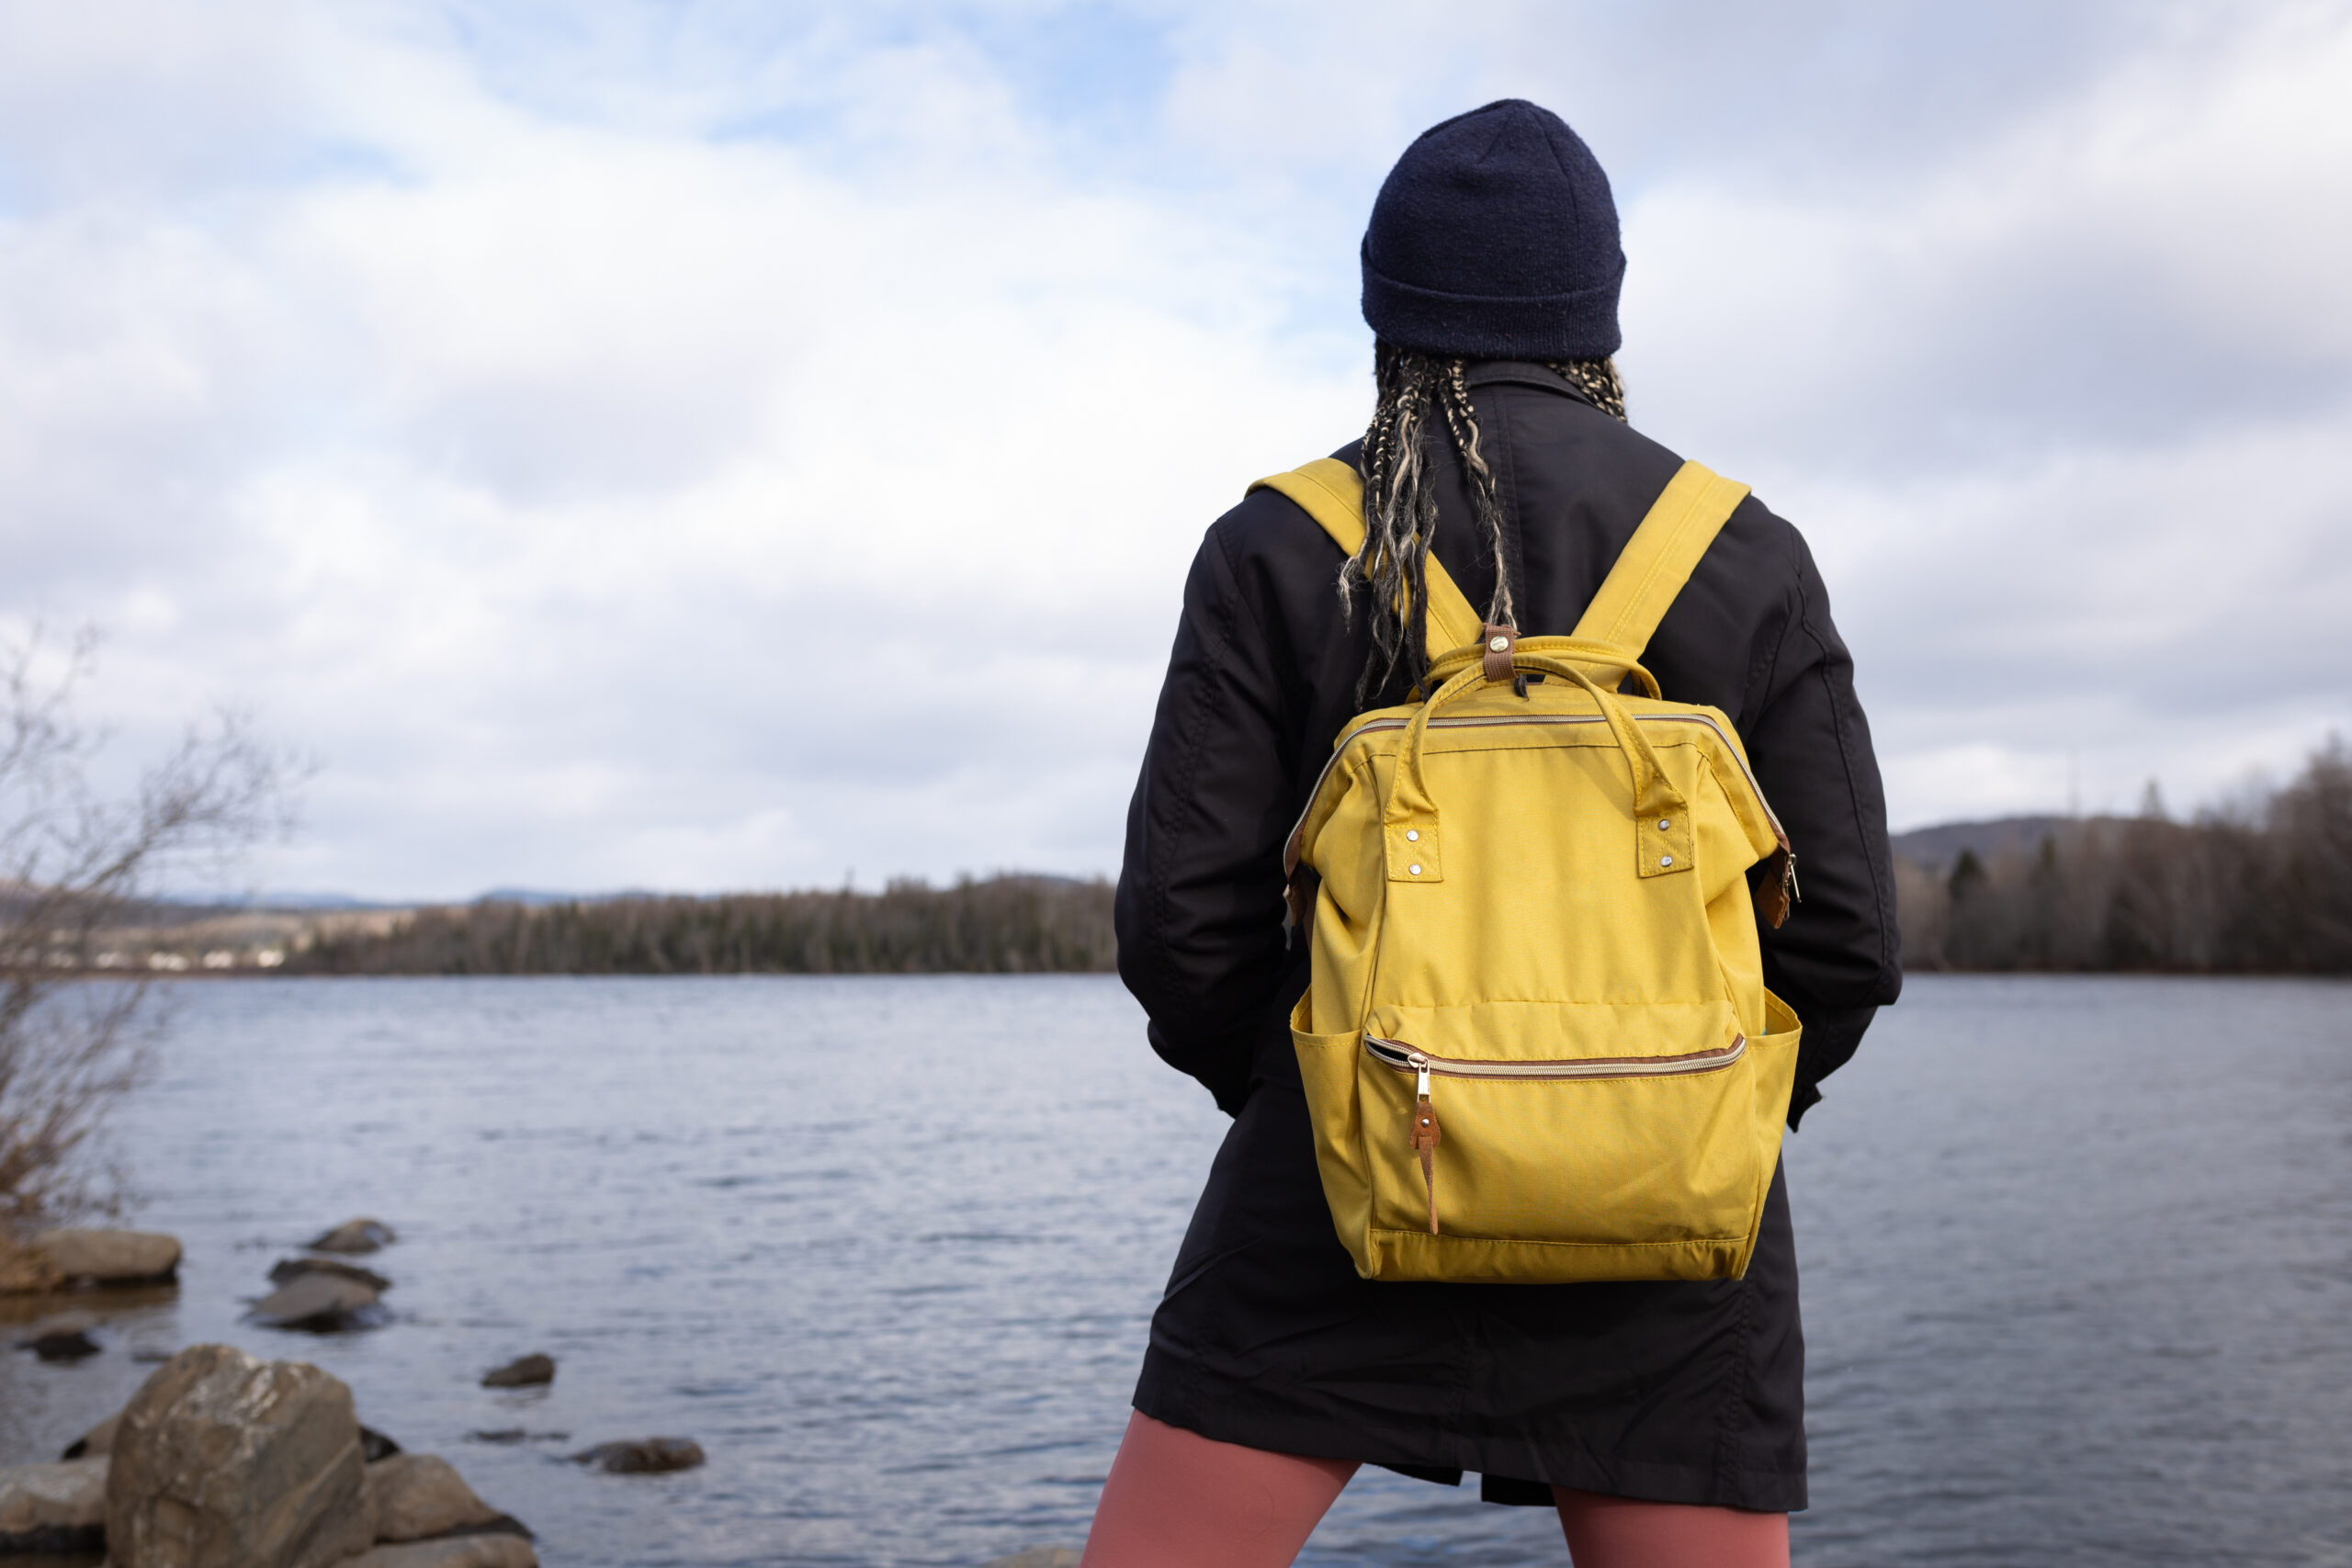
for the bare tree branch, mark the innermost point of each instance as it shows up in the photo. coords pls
(74, 862)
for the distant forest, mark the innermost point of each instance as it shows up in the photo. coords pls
(2265, 890)
(1005, 925)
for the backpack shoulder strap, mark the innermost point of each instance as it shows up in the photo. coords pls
(1659, 559)
(1332, 494)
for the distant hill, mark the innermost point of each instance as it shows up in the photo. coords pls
(1937, 848)
(540, 898)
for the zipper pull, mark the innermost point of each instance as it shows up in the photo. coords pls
(1777, 888)
(1425, 1131)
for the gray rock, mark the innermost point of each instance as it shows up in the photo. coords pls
(98, 1440)
(462, 1551)
(109, 1257)
(419, 1497)
(525, 1372)
(224, 1461)
(285, 1270)
(643, 1455)
(53, 1508)
(1037, 1557)
(319, 1303)
(356, 1237)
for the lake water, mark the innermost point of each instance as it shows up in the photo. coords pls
(2077, 1258)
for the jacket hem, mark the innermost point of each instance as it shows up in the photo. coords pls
(1180, 1394)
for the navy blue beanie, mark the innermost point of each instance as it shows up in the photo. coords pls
(1494, 237)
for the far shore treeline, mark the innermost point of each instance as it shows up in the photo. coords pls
(1001, 925)
(2266, 889)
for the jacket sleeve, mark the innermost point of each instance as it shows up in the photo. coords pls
(1838, 958)
(1199, 908)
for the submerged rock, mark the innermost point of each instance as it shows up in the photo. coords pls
(643, 1455)
(63, 1342)
(107, 1258)
(505, 1435)
(355, 1238)
(525, 1372)
(97, 1441)
(460, 1552)
(319, 1303)
(53, 1508)
(224, 1461)
(285, 1270)
(418, 1496)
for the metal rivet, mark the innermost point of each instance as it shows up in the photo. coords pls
(1425, 1121)
(1412, 835)
(1665, 860)
(1664, 823)
(1499, 645)
(1414, 869)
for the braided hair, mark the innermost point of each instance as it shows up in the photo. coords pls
(1400, 505)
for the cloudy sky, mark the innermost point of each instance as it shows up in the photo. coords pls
(706, 445)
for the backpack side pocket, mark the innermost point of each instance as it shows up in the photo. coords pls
(1326, 1066)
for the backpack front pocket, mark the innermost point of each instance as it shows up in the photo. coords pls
(1602, 1148)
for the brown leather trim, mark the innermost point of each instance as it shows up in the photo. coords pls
(1499, 642)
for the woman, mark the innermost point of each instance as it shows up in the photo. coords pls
(1665, 1421)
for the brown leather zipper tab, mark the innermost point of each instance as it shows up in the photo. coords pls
(1776, 886)
(1424, 1138)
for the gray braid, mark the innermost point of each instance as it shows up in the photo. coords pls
(1596, 379)
(1462, 421)
(1399, 514)
(1400, 508)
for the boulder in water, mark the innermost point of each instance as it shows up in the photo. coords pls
(285, 1270)
(643, 1455)
(456, 1551)
(53, 1508)
(526, 1372)
(419, 1497)
(319, 1303)
(225, 1461)
(107, 1258)
(355, 1237)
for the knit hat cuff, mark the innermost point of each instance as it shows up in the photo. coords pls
(1581, 324)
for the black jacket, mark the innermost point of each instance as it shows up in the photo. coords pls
(1263, 676)
(1684, 1392)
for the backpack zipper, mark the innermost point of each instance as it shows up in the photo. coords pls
(1407, 1058)
(1422, 1137)
(1789, 871)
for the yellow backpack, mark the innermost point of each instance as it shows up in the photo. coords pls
(1537, 1044)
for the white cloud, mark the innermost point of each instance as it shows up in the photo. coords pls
(674, 448)
(2068, 423)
